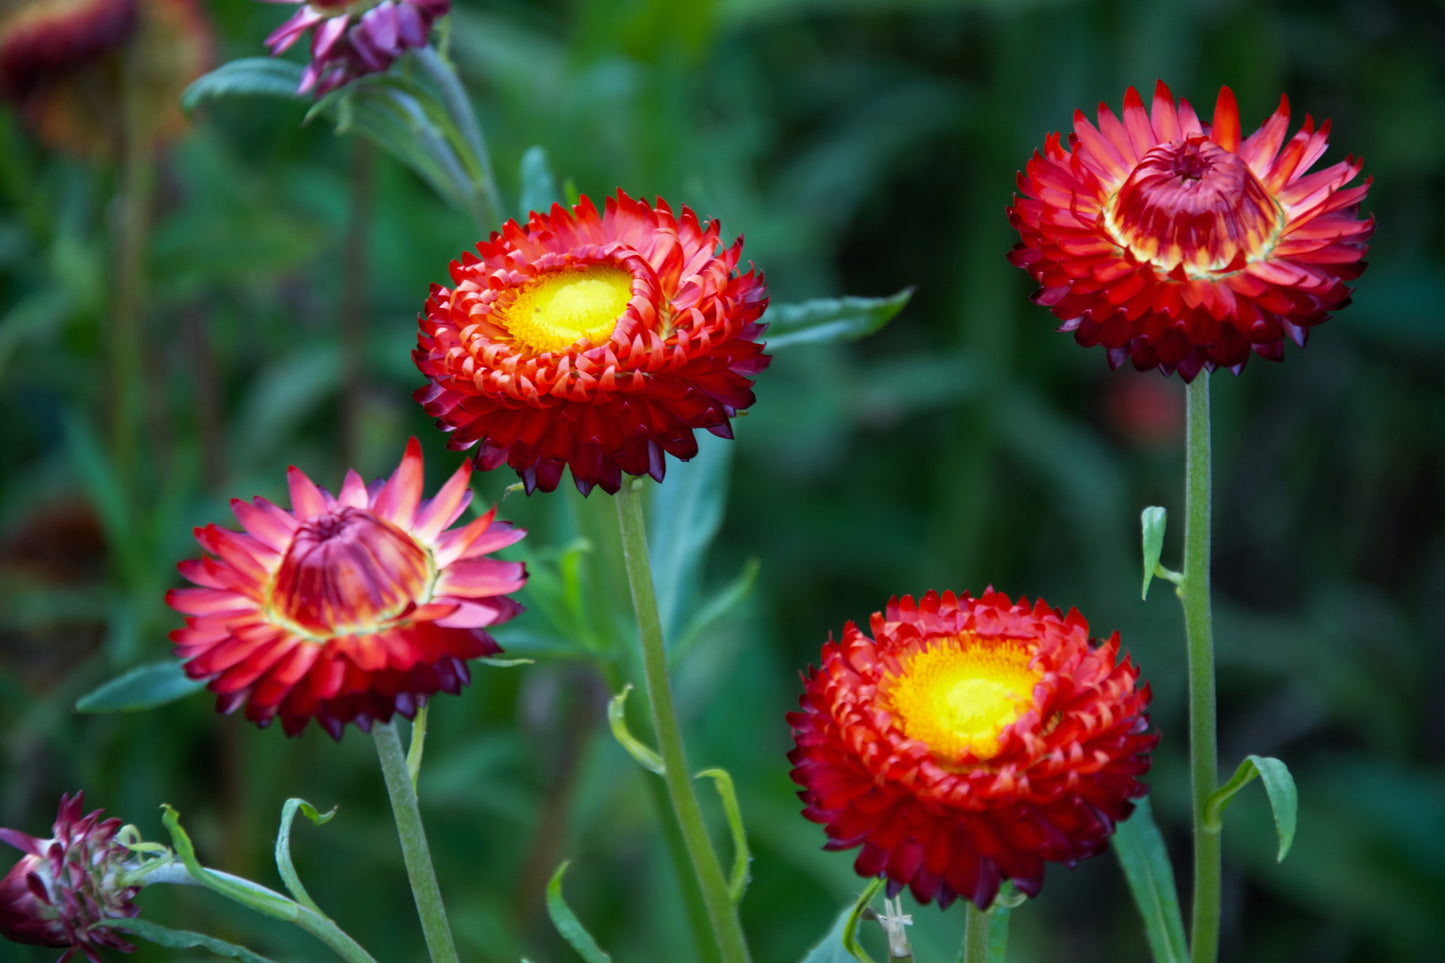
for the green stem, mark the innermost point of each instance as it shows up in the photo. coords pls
(720, 909)
(1199, 628)
(317, 924)
(976, 936)
(414, 849)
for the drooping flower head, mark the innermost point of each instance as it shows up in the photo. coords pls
(354, 38)
(596, 342)
(349, 607)
(64, 885)
(970, 741)
(67, 63)
(1182, 246)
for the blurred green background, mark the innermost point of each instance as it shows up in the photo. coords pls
(861, 148)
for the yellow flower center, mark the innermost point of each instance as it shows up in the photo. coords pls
(558, 310)
(960, 695)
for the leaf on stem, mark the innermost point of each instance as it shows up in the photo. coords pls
(539, 190)
(258, 898)
(742, 859)
(1153, 520)
(617, 719)
(568, 926)
(182, 939)
(1140, 848)
(143, 687)
(831, 319)
(841, 943)
(283, 848)
(1278, 785)
(247, 77)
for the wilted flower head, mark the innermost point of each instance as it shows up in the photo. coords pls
(970, 741)
(64, 885)
(349, 607)
(1181, 245)
(595, 342)
(355, 38)
(67, 63)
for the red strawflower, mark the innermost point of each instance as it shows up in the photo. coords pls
(347, 608)
(1180, 245)
(354, 37)
(594, 342)
(63, 886)
(970, 741)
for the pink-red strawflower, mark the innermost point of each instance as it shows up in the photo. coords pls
(349, 607)
(352, 39)
(1184, 245)
(596, 342)
(66, 884)
(970, 741)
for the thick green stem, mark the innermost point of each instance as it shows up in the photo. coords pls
(976, 936)
(721, 912)
(317, 924)
(1199, 628)
(414, 849)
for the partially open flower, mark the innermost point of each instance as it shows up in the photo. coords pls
(969, 741)
(596, 342)
(349, 607)
(354, 37)
(1182, 246)
(64, 885)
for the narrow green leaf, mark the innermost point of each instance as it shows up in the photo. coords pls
(567, 923)
(182, 939)
(143, 687)
(1278, 785)
(617, 719)
(1152, 520)
(504, 663)
(830, 319)
(1140, 848)
(742, 859)
(283, 848)
(249, 76)
(726, 599)
(841, 943)
(683, 518)
(253, 895)
(539, 190)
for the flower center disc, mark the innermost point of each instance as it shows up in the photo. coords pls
(1195, 204)
(959, 696)
(348, 573)
(558, 310)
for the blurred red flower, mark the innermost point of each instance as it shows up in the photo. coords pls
(969, 741)
(1181, 246)
(348, 608)
(596, 342)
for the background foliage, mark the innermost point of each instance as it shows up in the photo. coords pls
(861, 147)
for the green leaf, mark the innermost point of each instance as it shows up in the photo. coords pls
(741, 857)
(617, 719)
(539, 190)
(830, 319)
(497, 663)
(248, 894)
(683, 518)
(841, 943)
(567, 923)
(726, 599)
(1152, 519)
(182, 940)
(283, 848)
(143, 687)
(1140, 848)
(247, 77)
(1278, 785)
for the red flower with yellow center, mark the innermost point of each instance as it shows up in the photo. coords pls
(968, 742)
(596, 342)
(347, 608)
(1183, 246)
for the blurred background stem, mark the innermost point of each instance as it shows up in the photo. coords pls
(1199, 628)
(720, 908)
